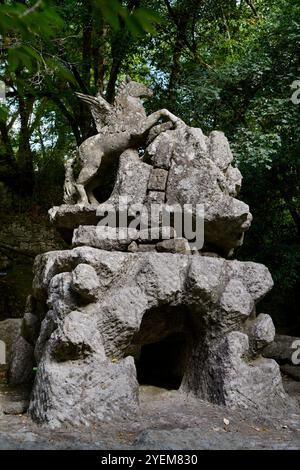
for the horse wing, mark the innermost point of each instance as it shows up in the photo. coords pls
(101, 110)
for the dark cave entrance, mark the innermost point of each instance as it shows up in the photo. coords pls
(163, 345)
(162, 363)
(104, 183)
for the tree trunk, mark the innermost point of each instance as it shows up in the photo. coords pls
(120, 46)
(114, 72)
(87, 46)
(5, 144)
(25, 156)
(98, 45)
(84, 115)
(175, 73)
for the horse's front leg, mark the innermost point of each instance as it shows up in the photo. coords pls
(153, 119)
(83, 199)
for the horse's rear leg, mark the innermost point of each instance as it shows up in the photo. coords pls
(91, 197)
(85, 176)
(90, 188)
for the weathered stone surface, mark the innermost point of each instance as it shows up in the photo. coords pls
(133, 247)
(146, 298)
(118, 239)
(104, 238)
(167, 420)
(22, 362)
(219, 150)
(236, 300)
(282, 348)
(196, 176)
(146, 247)
(206, 279)
(227, 378)
(155, 234)
(157, 180)
(30, 327)
(85, 282)
(160, 151)
(76, 338)
(226, 220)
(15, 407)
(61, 299)
(292, 371)
(234, 180)
(132, 179)
(155, 197)
(9, 332)
(121, 126)
(185, 166)
(70, 216)
(130, 304)
(48, 325)
(175, 245)
(49, 264)
(84, 392)
(14, 400)
(261, 332)
(157, 130)
(256, 277)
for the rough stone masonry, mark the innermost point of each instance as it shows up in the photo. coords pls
(119, 309)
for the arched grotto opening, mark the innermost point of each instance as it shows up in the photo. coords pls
(162, 363)
(163, 345)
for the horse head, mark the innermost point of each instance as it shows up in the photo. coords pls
(134, 89)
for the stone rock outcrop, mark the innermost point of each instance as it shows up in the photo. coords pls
(97, 340)
(9, 331)
(291, 371)
(22, 363)
(180, 166)
(137, 302)
(282, 349)
(285, 350)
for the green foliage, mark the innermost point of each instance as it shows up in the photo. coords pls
(218, 64)
(23, 28)
(3, 112)
(39, 19)
(139, 21)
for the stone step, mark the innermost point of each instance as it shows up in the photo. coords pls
(14, 400)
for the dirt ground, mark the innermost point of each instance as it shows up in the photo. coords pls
(167, 421)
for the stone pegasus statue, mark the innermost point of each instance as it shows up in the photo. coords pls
(120, 126)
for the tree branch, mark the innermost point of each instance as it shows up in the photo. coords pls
(69, 117)
(171, 11)
(250, 4)
(32, 9)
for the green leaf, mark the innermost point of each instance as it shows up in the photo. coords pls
(31, 53)
(3, 113)
(147, 17)
(13, 59)
(60, 69)
(134, 26)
